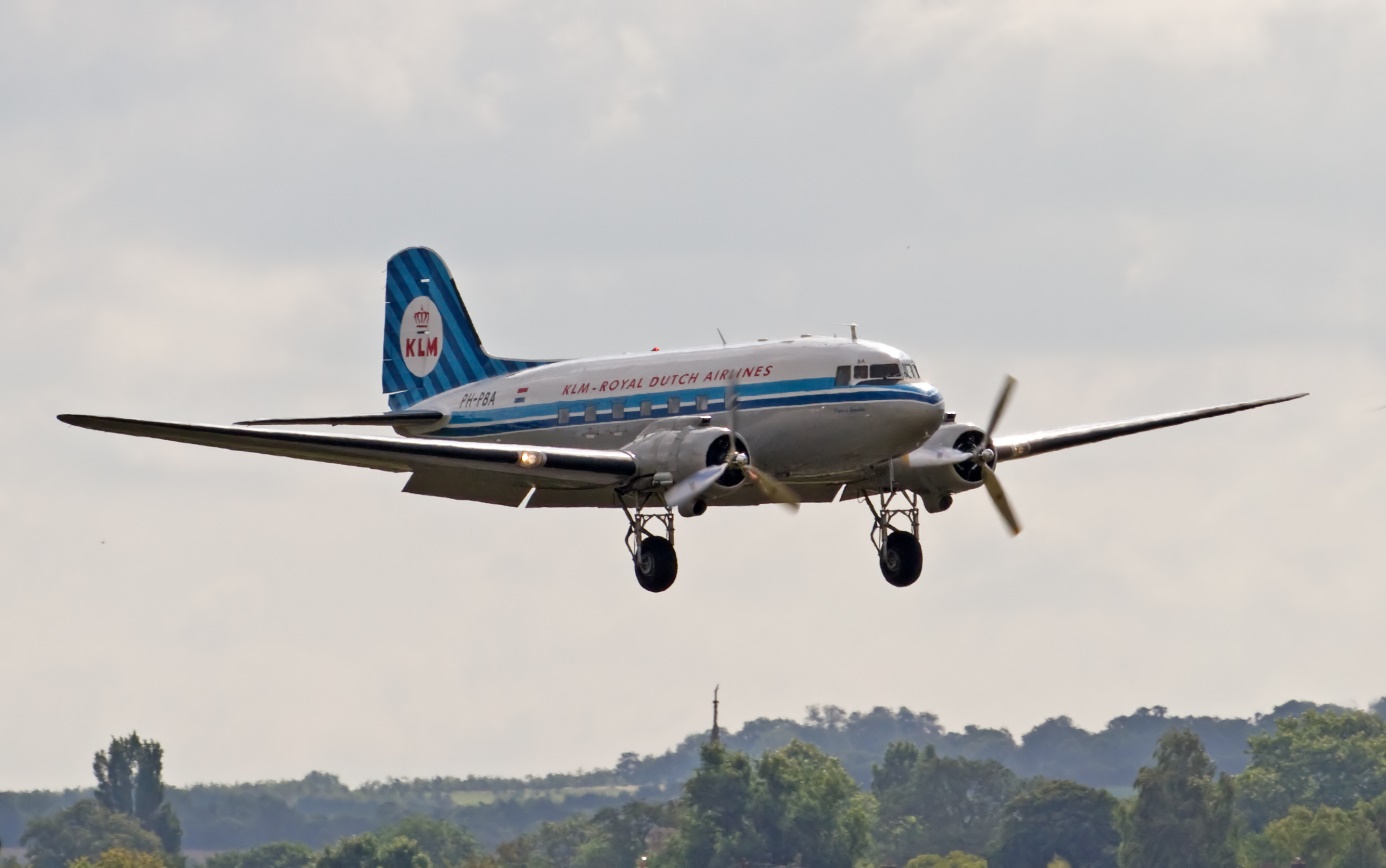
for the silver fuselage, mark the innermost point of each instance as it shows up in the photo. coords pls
(800, 418)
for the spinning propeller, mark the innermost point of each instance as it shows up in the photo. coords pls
(982, 456)
(689, 489)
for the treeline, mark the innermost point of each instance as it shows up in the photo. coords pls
(320, 809)
(1312, 794)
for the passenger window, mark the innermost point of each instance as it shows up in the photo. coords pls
(563, 415)
(702, 403)
(645, 408)
(885, 372)
(860, 372)
(673, 406)
(844, 376)
(590, 414)
(618, 410)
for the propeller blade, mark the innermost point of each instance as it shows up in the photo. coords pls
(729, 402)
(772, 488)
(690, 488)
(998, 497)
(1001, 400)
(937, 457)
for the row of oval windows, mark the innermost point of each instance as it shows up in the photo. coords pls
(846, 375)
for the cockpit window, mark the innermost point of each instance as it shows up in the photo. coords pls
(911, 372)
(885, 372)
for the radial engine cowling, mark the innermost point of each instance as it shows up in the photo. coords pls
(668, 455)
(937, 483)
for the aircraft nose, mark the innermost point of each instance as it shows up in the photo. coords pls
(929, 406)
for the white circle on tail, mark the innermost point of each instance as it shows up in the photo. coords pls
(421, 336)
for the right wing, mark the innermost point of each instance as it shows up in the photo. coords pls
(1026, 445)
(495, 470)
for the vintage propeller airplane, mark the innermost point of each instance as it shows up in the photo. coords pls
(808, 419)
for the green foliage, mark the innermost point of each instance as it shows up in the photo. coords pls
(1057, 819)
(370, 851)
(120, 858)
(1182, 815)
(932, 804)
(445, 844)
(84, 830)
(130, 780)
(956, 859)
(1327, 837)
(1322, 758)
(613, 837)
(796, 805)
(281, 854)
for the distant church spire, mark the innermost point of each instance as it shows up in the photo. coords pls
(716, 734)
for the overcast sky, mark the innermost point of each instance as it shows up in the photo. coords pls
(1132, 207)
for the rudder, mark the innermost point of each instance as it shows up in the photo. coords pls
(431, 344)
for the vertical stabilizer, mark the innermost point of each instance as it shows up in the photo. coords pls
(431, 344)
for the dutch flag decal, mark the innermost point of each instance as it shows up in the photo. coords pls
(520, 394)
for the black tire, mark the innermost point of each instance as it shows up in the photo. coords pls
(902, 560)
(656, 565)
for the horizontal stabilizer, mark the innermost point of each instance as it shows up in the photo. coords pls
(408, 418)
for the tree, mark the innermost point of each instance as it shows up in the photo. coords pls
(796, 805)
(933, 804)
(1182, 815)
(718, 831)
(1328, 837)
(956, 859)
(1337, 759)
(120, 858)
(446, 845)
(808, 809)
(1057, 819)
(369, 851)
(130, 781)
(1379, 707)
(84, 830)
(282, 854)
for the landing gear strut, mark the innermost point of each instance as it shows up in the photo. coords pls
(901, 557)
(656, 565)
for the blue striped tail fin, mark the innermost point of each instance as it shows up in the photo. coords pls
(431, 344)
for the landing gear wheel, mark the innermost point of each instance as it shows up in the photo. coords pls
(656, 565)
(901, 559)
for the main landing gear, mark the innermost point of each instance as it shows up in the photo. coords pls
(901, 557)
(656, 564)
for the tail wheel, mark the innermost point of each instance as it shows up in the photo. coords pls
(656, 565)
(901, 559)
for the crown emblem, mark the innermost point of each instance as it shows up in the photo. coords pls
(421, 318)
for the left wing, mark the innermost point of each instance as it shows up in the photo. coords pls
(488, 465)
(1025, 445)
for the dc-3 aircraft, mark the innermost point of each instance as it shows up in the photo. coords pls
(808, 419)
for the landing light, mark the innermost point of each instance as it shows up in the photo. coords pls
(531, 459)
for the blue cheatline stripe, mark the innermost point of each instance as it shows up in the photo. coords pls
(776, 395)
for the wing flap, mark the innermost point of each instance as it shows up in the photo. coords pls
(541, 465)
(1026, 445)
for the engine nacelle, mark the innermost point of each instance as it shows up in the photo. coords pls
(936, 484)
(666, 455)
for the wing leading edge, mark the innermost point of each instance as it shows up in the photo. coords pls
(1026, 445)
(541, 466)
